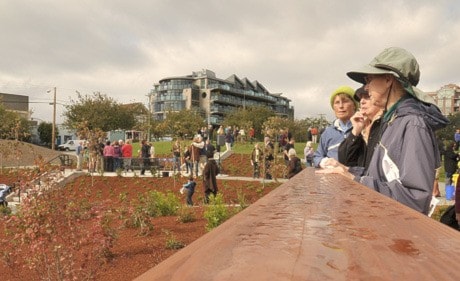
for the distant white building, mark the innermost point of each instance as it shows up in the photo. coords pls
(64, 135)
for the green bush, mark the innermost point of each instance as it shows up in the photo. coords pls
(171, 242)
(160, 204)
(243, 204)
(186, 214)
(439, 211)
(216, 212)
(139, 218)
(5, 211)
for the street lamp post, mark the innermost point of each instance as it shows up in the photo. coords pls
(53, 132)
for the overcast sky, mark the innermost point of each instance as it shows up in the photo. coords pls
(301, 49)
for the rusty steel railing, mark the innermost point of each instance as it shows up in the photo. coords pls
(319, 227)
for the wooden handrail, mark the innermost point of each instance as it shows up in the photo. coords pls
(319, 227)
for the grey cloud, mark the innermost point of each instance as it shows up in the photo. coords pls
(299, 48)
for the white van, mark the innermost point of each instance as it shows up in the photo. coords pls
(69, 145)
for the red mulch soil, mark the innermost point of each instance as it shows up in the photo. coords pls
(132, 253)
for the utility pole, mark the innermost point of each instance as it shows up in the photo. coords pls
(53, 133)
(149, 116)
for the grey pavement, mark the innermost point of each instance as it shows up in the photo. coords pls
(442, 199)
(147, 174)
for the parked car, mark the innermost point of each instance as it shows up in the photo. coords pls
(4, 191)
(69, 145)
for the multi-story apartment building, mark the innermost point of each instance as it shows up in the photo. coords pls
(213, 97)
(447, 99)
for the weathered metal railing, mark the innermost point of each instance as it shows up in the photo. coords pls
(319, 227)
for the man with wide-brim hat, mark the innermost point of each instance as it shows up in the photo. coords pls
(403, 163)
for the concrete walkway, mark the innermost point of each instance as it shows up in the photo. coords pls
(442, 199)
(69, 172)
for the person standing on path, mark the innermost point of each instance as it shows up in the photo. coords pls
(79, 152)
(145, 156)
(127, 152)
(210, 172)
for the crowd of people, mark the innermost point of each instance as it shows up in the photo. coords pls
(383, 137)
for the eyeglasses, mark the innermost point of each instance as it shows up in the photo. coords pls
(364, 97)
(368, 78)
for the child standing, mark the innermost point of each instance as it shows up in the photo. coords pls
(189, 187)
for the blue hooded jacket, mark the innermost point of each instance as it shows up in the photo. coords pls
(404, 161)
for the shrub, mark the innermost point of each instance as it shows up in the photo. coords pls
(171, 242)
(186, 214)
(160, 204)
(38, 237)
(216, 212)
(5, 211)
(139, 218)
(439, 211)
(150, 204)
(119, 172)
(242, 200)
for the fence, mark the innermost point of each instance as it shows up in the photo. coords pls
(319, 227)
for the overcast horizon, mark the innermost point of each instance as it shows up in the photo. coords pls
(301, 49)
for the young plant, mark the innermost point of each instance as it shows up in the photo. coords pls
(42, 230)
(138, 217)
(119, 172)
(243, 204)
(160, 204)
(171, 241)
(216, 212)
(186, 214)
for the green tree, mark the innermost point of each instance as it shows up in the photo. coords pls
(447, 133)
(45, 131)
(249, 117)
(181, 124)
(13, 126)
(99, 111)
(275, 124)
(301, 127)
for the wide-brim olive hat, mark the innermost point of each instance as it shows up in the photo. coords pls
(397, 62)
(394, 61)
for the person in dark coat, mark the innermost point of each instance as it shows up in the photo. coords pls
(145, 156)
(210, 172)
(450, 161)
(357, 149)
